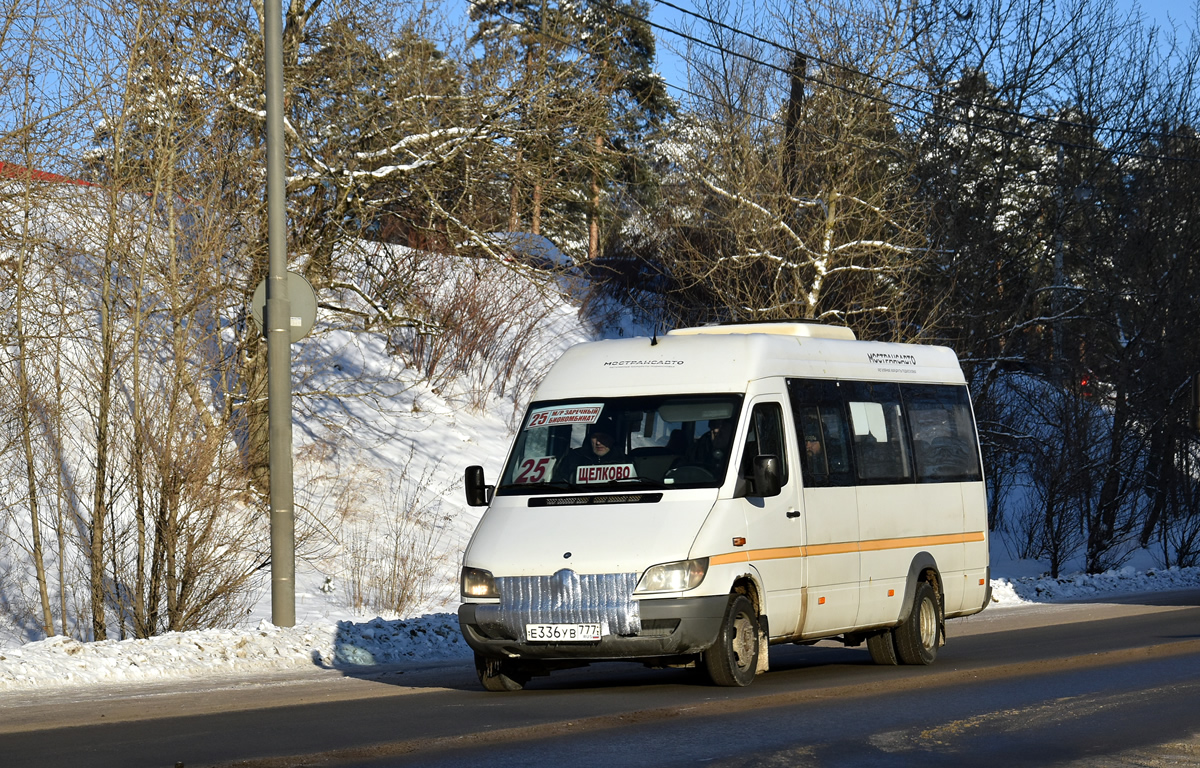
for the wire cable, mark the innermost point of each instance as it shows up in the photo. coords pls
(932, 94)
(909, 109)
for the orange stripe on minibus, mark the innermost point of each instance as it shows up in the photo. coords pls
(843, 548)
(730, 557)
(778, 553)
(920, 541)
(847, 547)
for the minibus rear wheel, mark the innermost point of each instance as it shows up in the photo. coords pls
(918, 638)
(733, 659)
(499, 675)
(882, 646)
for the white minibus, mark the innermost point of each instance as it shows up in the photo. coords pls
(692, 499)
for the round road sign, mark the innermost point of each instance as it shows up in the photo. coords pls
(303, 302)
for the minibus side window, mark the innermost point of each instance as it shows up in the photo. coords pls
(943, 432)
(825, 458)
(820, 418)
(764, 437)
(881, 453)
(815, 458)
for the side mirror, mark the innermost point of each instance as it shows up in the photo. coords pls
(766, 476)
(479, 494)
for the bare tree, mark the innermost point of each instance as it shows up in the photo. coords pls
(191, 558)
(1053, 129)
(31, 40)
(812, 218)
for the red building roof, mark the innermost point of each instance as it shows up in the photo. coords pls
(11, 171)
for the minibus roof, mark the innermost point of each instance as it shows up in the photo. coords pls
(727, 358)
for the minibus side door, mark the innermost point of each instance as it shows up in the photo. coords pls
(832, 557)
(894, 514)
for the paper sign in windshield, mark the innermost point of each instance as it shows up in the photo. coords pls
(603, 473)
(586, 413)
(537, 469)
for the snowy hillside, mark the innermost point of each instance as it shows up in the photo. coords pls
(391, 402)
(385, 423)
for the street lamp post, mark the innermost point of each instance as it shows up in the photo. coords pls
(277, 321)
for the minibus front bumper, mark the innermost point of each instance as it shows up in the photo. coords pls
(668, 627)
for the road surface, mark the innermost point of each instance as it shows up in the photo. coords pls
(1088, 684)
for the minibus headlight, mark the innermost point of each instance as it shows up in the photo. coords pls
(477, 582)
(674, 577)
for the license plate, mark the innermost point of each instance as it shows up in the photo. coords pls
(562, 633)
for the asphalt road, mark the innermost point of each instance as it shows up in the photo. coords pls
(1092, 684)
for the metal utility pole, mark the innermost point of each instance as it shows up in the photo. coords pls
(277, 322)
(795, 113)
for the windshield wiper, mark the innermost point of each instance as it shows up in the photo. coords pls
(639, 480)
(554, 485)
(566, 485)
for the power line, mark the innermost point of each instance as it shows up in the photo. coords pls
(932, 94)
(1056, 122)
(901, 108)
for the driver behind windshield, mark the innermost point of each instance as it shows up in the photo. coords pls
(599, 447)
(711, 450)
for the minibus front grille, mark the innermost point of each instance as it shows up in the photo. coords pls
(566, 597)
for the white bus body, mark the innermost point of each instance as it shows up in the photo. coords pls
(764, 483)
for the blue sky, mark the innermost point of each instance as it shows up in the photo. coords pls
(1165, 13)
(1178, 10)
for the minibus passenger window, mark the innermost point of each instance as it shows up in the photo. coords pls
(837, 446)
(819, 412)
(814, 458)
(943, 431)
(880, 446)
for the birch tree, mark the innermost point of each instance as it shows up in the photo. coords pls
(813, 216)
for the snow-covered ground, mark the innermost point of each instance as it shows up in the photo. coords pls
(266, 648)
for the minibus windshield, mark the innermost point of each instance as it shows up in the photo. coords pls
(664, 441)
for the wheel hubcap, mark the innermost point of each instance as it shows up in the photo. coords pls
(928, 624)
(743, 640)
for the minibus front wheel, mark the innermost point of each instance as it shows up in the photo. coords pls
(499, 675)
(733, 659)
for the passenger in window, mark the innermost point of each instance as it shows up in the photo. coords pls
(712, 449)
(599, 447)
(815, 453)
